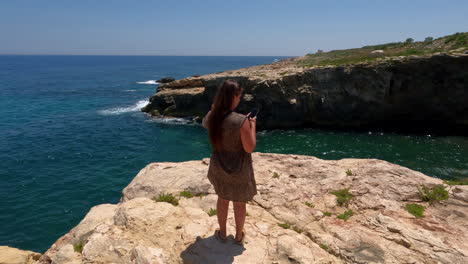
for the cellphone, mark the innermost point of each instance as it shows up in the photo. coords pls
(253, 113)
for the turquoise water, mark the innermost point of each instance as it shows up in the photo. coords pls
(72, 136)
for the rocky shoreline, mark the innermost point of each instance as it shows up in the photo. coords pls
(427, 92)
(308, 210)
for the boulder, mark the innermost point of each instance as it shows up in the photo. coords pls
(10, 255)
(166, 80)
(377, 53)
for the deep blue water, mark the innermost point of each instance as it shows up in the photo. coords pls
(72, 136)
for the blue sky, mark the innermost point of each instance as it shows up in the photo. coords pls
(290, 28)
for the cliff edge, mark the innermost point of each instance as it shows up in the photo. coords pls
(308, 210)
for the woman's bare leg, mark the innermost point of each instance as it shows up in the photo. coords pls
(239, 215)
(222, 207)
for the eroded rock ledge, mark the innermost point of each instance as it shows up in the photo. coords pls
(140, 230)
(428, 91)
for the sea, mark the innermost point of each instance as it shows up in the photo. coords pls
(72, 136)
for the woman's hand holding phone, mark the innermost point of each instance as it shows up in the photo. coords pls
(252, 116)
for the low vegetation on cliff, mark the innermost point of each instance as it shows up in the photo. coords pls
(457, 42)
(298, 219)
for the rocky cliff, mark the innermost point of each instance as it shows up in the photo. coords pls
(426, 91)
(295, 218)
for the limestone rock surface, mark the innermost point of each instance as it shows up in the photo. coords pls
(10, 255)
(293, 219)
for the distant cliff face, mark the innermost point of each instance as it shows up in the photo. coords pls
(427, 91)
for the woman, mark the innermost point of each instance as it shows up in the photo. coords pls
(232, 138)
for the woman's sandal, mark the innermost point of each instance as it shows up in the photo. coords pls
(218, 236)
(241, 242)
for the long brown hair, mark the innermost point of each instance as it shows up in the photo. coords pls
(221, 106)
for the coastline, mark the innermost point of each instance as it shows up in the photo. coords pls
(416, 87)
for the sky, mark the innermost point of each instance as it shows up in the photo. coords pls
(226, 28)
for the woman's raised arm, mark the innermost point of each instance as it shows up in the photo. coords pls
(248, 134)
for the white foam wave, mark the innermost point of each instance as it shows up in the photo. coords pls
(170, 120)
(129, 90)
(149, 82)
(120, 110)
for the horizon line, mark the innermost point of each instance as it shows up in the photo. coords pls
(139, 55)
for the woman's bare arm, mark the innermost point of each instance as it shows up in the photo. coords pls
(248, 134)
(205, 120)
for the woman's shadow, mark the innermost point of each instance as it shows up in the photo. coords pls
(210, 250)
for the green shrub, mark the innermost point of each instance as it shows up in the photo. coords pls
(461, 41)
(346, 215)
(343, 196)
(275, 175)
(415, 209)
(309, 204)
(78, 247)
(428, 39)
(167, 198)
(453, 37)
(326, 213)
(285, 225)
(186, 194)
(324, 247)
(349, 172)
(434, 194)
(212, 212)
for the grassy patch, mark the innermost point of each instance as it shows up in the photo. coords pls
(297, 229)
(78, 247)
(457, 40)
(343, 196)
(434, 194)
(346, 61)
(285, 225)
(346, 215)
(402, 48)
(283, 73)
(324, 247)
(456, 182)
(212, 212)
(326, 213)
(167, 198)
(349, 172)
(415, 209)
(309, 204)
(186, 194)
(409, 52)
(275, 175)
